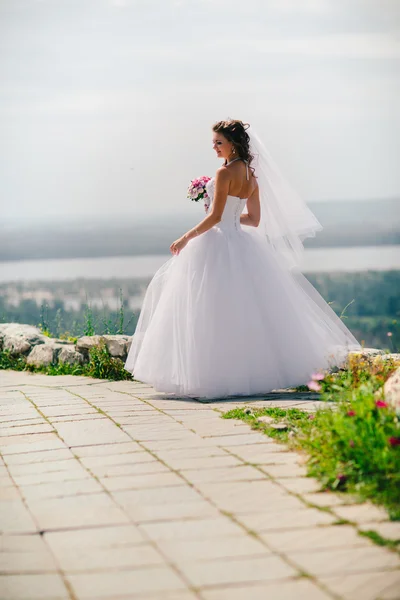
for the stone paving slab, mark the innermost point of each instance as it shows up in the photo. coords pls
(112, 491)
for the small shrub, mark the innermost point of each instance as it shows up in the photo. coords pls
(103, 366)
(9, 361)
(353, 447)
(353, 440)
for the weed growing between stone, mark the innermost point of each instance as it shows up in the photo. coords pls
(352, 442)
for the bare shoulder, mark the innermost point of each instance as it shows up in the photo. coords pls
(222, 174)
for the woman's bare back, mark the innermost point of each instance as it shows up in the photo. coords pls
(239, 186)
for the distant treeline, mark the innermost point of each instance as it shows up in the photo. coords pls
(368, 302)
(361, 223)
(375, 304)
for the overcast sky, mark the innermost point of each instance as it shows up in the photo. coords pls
(106, 106)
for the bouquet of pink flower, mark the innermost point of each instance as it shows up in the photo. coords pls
(197, 190)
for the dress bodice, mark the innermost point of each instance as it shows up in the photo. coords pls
(233, 208)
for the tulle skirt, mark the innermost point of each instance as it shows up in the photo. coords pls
(225, 318)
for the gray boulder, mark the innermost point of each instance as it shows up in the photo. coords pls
(70, 356)
(367, 352)
(86, 342)
(42, 355)
(10, 332)
(117, 345)
(16, 345)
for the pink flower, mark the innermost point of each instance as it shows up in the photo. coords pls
(389, 334)
(394, 441)
(341, 477)
(314, 385)
(351, 413)
(311, 417)
(317, 376)
(381, 404)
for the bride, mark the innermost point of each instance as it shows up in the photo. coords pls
(230, 313)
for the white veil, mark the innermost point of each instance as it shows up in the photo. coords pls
(286, 219)
(285, 222)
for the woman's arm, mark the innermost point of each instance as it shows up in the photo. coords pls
(252, 217)
(222, 179)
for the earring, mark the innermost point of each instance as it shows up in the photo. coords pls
(233, 151)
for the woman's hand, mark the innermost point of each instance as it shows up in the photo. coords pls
(178, 245)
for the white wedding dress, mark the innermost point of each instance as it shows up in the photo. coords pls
(225, 318)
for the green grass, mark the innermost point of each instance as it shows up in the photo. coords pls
(351, 442)
(293, 417)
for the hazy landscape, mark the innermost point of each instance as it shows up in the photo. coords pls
(352, 223)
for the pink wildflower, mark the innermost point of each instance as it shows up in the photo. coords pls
(381, 404)
(341, 477)
(351, 413)
(317, 376)
(389, 334)
(311, 417)
(314, 385)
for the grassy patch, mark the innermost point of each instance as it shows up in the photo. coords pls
(293, 417)
(353, 441)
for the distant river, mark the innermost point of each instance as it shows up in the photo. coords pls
(380, 258)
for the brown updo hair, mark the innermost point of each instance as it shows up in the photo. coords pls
(235, 132)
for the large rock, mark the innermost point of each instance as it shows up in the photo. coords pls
(16, 345)
(391, 389)
(42, 355)
(367, 352)
(70, 356)
(86, 342)
(117, 345)
(395, 356)
(10, 332)
(371, 355)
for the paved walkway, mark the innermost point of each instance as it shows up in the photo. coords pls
(111, 491)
